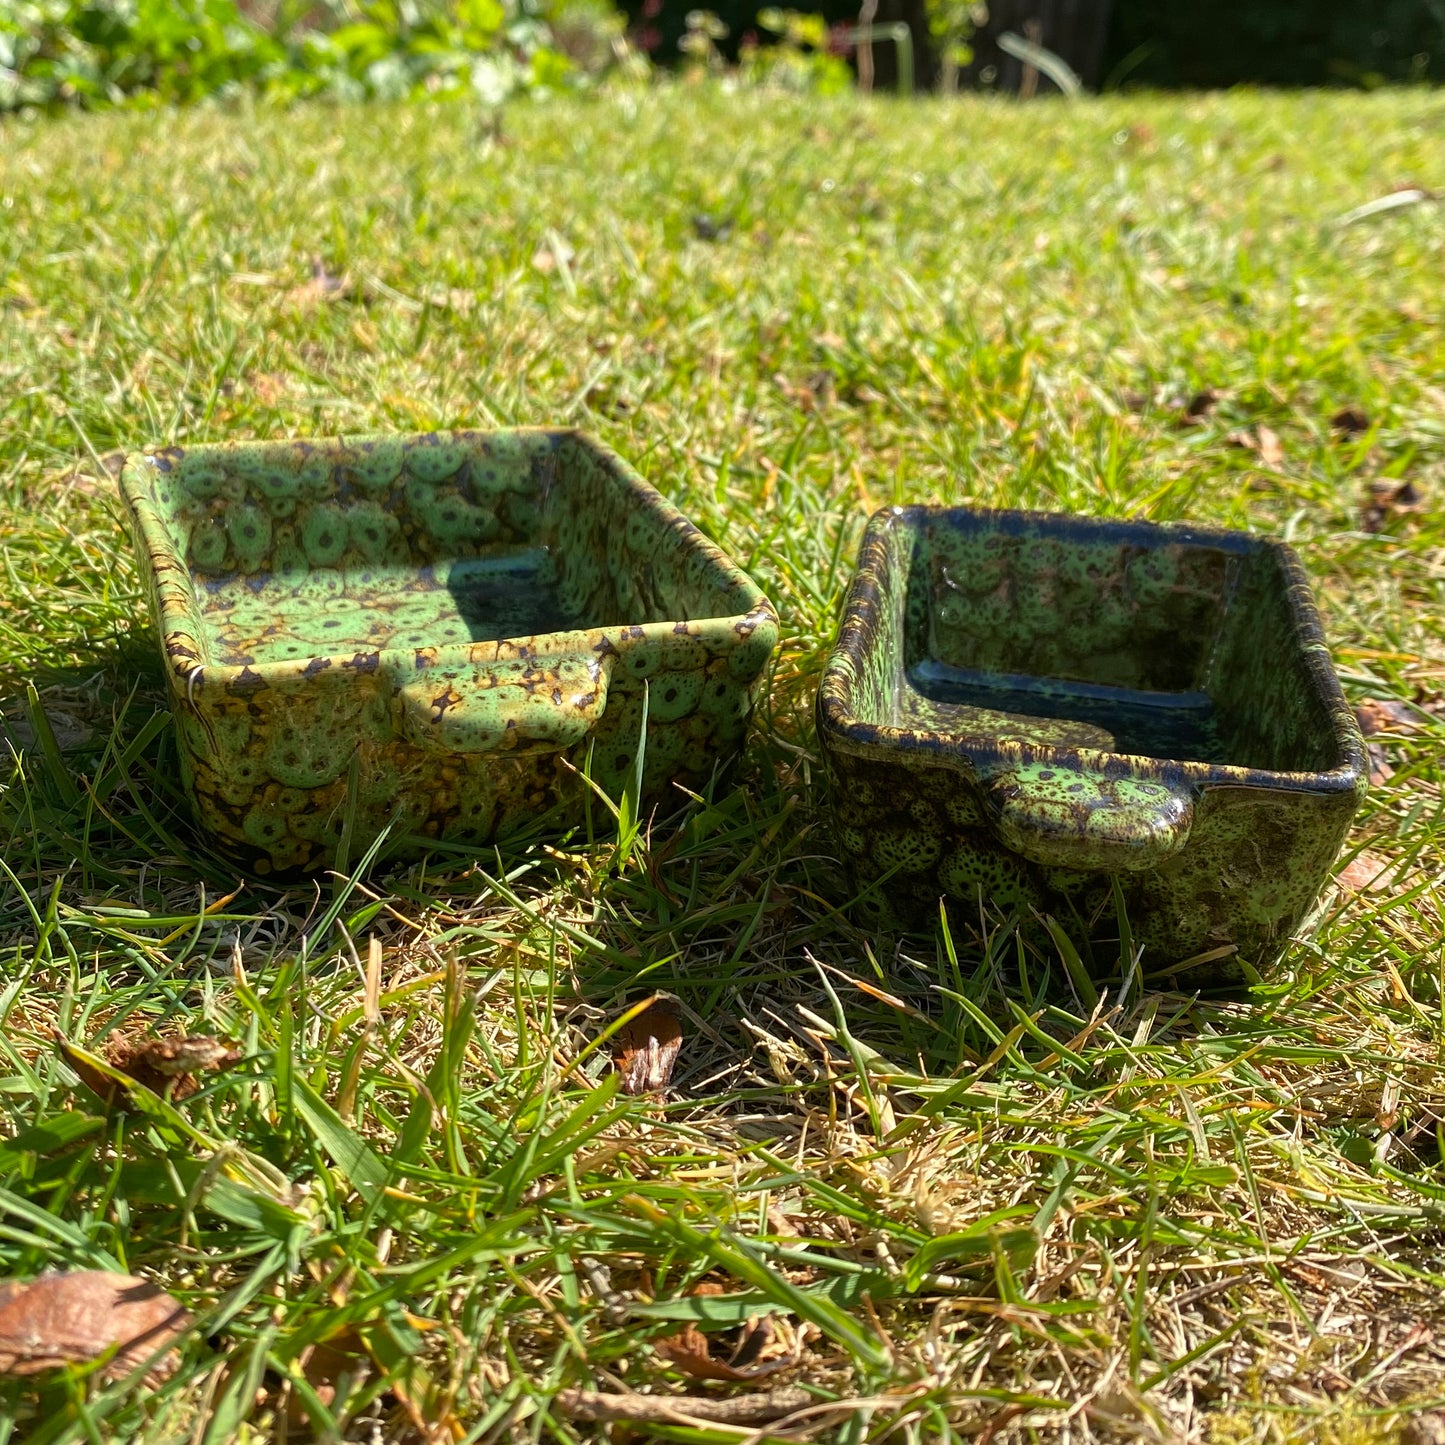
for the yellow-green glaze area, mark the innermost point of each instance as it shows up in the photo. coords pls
(434, 633)
(1032, 711)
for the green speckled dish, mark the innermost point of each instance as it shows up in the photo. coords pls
(1030, 709)
(433, 633)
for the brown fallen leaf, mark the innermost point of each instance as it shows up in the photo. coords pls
(1271, 451)
(165, 1066)
(1380, 769)
(1350, 421)
(1425, 1428)
(109, 1085)
(1366, 872)
(324, 1366)
(552, 254)
(75, 1317)
(322, 287)
(109, 467)
(758, 1353)
(1385, 715)
(70, 732)
(169, 1066)
(359, 1352)
(817, 390)
(269, 386)
(1198, 407)
(711, 228)
(645, 1048)
(595, 1406)
(1264, 442)
(1388, 499)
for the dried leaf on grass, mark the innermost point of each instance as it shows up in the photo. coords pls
(1367, 872)
(169, 1066)
(1350, 421)
(1264, 442)
(1380, 769)
(326, 1364)
(164, 1066)
(711, 228)
(1197, 408)
(762, 1350)
(269, 387)
(83, 1315)
(596, 1406)
(1388, 499)
(94, 476)
(70, 732)
(645, 1048)
(1426, 1428)
(321, 288)
(363, 1350)
(1385, 715)
(553, 254)
(817, 390)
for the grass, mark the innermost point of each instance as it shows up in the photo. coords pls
(970, 1202)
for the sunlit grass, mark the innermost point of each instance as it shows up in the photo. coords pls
(975, 1200)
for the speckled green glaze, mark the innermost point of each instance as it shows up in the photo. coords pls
(1028, 710)
(434, 633)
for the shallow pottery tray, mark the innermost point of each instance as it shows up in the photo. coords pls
(1031, 709)
(433, 633)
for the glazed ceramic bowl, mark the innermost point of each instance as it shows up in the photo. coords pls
(433, 634)
(1033, 711)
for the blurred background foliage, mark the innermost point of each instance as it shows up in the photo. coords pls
(98, 52)
(95, 52)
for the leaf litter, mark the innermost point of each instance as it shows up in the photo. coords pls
(646, 1047)
(1350, 421)
(1264, 442)
(766, 1345)
(81, 1316)
(166, 1066)
(1388, 499)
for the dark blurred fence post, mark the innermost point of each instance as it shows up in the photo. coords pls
(1076, 30)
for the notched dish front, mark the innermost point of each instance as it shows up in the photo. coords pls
(433, 634)
(1032, 710)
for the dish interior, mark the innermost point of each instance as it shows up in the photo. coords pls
(300, 551)
(1102, 636)
(511, 592)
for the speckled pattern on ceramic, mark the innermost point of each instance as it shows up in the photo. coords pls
(1029, 708)
(432, 632)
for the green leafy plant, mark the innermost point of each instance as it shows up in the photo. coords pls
(102, 51)
(96, 52)
(801, 59)
(951, 24)
(700, 42)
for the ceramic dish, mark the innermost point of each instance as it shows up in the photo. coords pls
(433, 634)
(1030, 710)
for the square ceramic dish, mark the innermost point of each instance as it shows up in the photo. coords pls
(433, 633)
(1027, 708)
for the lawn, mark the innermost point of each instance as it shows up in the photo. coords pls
(926, 1187)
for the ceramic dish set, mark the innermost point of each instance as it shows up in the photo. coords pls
(455, 636)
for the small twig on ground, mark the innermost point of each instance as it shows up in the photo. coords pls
(595, 1406)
